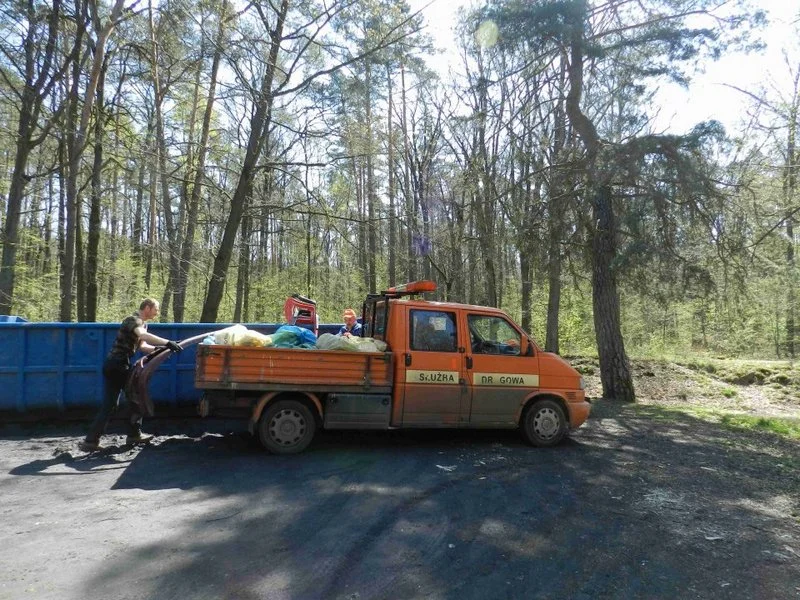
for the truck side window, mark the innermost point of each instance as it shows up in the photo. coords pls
(379, 326)
(433, 331)
(492, 335)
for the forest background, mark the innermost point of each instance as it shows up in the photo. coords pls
(221, 155)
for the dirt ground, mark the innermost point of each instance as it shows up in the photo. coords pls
(759, 388)
(642, 502)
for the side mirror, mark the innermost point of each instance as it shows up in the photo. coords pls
(529, 347)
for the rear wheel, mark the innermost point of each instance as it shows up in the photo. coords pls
(544, 423)
(286, 427)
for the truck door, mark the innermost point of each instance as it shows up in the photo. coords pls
(500, 377)
(432, 371)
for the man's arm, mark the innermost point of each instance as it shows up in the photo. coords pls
(146, 341)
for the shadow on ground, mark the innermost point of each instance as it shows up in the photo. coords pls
(634, 505)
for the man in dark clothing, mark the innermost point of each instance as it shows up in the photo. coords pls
(132, 336)
(351, 325)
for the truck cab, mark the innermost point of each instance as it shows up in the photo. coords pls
(459, 365)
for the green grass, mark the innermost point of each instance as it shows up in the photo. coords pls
(746, 372)
(784, 427)
(781, 426)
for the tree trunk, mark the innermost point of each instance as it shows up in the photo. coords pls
(11, 229)
(80, 267)
(553, 295)
(557, 205)
(243, 275)
(411, 267)
(614, 368)
(529, 197)
(259, 130)
(307, 220)
(93, 235)
(173, 235)
(526, 289)
(62, 199)
(71, 199)
(459, 291)
(485, 202)
(372, 242)
(138, 222)
(48, 225)
(361, 216)
(38, 84)
(555, 229)
(791, 293)
(152, 231)
(76, 144)
(789, 191)
(117, 228)
(424, 210)
(199, 174)
(392, 210)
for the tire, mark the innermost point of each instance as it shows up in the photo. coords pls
(544, 423)
(286, 427)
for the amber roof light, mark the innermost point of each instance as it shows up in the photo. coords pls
(413, 287)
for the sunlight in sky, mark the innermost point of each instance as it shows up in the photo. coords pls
(712, 94)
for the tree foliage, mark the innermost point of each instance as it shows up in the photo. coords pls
(221, 157)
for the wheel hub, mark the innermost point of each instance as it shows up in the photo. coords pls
(287, 427)
(545, 423)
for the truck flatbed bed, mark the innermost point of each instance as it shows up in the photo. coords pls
(252, 368)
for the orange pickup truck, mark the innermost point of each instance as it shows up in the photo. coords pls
(446, 365)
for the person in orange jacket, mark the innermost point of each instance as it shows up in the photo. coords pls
(351, 327)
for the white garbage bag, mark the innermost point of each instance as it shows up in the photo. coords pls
(230, 335)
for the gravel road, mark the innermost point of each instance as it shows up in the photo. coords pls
(635, 505)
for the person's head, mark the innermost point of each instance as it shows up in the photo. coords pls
(148, 309)
(349, 317)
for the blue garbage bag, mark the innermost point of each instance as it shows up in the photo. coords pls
(292, 336)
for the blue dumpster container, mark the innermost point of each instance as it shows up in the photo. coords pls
(12, 319)
(55, 368)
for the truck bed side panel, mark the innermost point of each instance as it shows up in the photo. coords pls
(246, 368)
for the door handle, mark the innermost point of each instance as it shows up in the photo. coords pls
(469, 362)
(408, 358)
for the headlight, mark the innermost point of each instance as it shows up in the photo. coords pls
(582, 383)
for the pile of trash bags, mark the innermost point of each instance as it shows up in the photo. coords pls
(328, 341)
(291, 336)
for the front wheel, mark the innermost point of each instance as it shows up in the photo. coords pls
(544, 423)
(286, 427)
